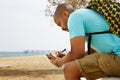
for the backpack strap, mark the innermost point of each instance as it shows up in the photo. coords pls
(90, 38)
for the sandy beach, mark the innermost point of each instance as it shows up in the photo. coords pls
(29, 68)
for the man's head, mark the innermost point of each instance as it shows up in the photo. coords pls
(61, 15)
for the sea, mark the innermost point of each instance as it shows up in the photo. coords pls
(26, 53)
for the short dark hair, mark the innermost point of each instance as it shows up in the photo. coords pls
(62, 7)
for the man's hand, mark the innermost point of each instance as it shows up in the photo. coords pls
(60, 55)
(54, 60)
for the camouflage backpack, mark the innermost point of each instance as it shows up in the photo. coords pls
(111, 11)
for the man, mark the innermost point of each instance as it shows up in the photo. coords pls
(106, 47)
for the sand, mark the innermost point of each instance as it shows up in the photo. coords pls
(29, 68)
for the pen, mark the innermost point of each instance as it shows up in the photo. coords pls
(63, 51)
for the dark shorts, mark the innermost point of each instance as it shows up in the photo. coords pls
(99, 65)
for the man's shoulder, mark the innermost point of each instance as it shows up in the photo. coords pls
(83, 10)
(79, 13)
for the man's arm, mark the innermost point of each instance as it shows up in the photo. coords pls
(77, 50)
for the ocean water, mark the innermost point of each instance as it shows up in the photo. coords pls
(26, 53)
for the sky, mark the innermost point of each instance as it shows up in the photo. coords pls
(24, 26)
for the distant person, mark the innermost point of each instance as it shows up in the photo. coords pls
(106, 47)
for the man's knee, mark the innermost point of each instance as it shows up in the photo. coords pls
(71, 68)
(67, 68)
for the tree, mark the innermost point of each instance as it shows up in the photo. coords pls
(53, 3)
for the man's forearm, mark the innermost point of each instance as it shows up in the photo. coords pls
(69, 57)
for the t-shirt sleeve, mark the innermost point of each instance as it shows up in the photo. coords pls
(76, 25)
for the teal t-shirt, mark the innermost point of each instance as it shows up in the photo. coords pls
(87, 21)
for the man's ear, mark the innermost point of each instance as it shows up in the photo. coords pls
(65, 14)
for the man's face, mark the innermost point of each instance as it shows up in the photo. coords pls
(62, 22)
